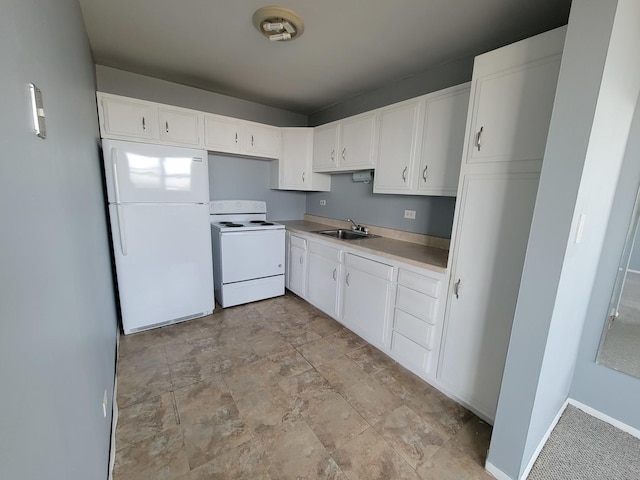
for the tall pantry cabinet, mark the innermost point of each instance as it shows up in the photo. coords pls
(512, 94)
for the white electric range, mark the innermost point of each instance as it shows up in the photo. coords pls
(248, 252)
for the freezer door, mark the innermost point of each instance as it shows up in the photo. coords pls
(163, 262)
(252, 254)
(143, 173)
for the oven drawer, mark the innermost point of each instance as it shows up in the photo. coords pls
(250, 255)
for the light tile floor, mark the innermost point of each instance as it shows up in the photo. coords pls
(277, 390)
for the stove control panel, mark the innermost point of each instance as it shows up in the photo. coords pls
(236, 206)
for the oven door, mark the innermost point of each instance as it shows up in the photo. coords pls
(251, 254)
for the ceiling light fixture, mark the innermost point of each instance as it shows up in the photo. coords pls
(278, 23)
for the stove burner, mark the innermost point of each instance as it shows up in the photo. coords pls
(234, 225)
(226, 223)
(262, 222)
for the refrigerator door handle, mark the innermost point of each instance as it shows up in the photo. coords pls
(114, 169)
(121, 232)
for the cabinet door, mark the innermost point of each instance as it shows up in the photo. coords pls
(325, 146)
(488, 257)
(295, 158)
(297, 270)
(179, 126)
(512, 112)
(323, 275)
(442, 143)
(222, 134)
(366, 305)
(263, 140)
(397, 147)
(129, 118)
(358, 142)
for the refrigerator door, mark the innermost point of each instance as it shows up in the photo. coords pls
(144, 173)
(163, 262)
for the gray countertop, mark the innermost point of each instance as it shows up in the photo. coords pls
(432, 258)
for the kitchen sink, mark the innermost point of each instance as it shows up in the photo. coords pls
(346, 234)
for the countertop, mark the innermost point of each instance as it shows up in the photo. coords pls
(422, 256)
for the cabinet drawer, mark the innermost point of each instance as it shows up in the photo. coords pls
(410, 353)
(324, 251)
(412, 327)
(298, 242)
(374, 268)
(417, 304)
(427, 285)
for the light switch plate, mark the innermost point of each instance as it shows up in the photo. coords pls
(410, 214)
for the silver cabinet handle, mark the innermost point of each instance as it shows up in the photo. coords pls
(236, 138)
(144, 124)
(344, 152)
(424, 173)
(456, 288)
(479, 138)
(166, 126)
(333, 156)
(404, 174)
(335, 274)
(347, 279)
(252, 140)
(302, 177)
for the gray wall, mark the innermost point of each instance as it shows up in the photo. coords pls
(57, 347)
(609, 391)
(594, 105)
(434, 215)
(437, 78)
(119, 82)
(238, 178)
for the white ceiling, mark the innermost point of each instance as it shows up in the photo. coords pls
(348, 47)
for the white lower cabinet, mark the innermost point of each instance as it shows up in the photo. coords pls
(396, 307)
(297, 280)
(367, 296)
(323, 277)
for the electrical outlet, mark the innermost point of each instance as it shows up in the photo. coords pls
(105, 402)
(323, 202)
(410, 214)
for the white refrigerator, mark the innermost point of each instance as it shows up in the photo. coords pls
(159, 211)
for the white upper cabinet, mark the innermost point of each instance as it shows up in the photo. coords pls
(345, 146)
(325, 147)
(398, 147)
(443, 141)
(179, 126)
(224, 134)
(126, 118)
(420, 144)
(512, 112)
(293, 170)
(262, 140)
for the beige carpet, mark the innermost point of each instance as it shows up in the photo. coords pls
(582, 447)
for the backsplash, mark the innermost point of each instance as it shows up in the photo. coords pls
(434, 215)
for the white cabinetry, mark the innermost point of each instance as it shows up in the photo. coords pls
(323, 278)
(230, 135)
(420, 144)
(398, 147)
(513, 89)
(125, 118)
(367, 297)
(345, 146)
(293, 170)
(297, 280)
(179, 126)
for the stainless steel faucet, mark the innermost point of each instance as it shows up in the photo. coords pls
(358, 228)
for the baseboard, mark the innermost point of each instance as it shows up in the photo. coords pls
(605, 418)
(114, 413)
(496, 472)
